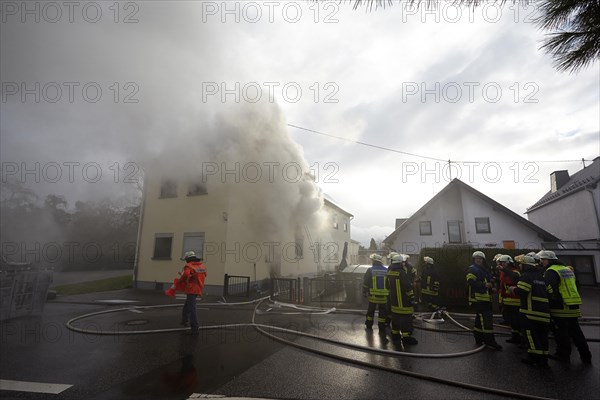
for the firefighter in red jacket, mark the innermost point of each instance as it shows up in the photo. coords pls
(191, 283)
(509, 275)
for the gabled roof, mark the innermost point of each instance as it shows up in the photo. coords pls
(456, 183)
(588, 176)
(332, 203)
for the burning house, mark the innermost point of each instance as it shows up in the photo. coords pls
(248, 208)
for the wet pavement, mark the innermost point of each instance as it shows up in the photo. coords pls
(240, 361)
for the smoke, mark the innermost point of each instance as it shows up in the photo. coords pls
(245, 151)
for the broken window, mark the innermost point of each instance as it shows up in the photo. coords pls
(168, 188)
(197, 189)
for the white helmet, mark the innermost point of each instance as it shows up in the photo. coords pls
(528, 260)
(505, 258)
(405, 257)
(376, 257)
(547, 254)
(478, 254)
(428, 260)
(397, 259)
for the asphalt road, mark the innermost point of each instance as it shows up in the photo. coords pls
(239, 361)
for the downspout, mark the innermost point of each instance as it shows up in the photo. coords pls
(139, 236)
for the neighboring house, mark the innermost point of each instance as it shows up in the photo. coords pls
(225, 229)
(462, 216)
(571, 211)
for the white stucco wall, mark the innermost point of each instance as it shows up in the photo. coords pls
(571, 218)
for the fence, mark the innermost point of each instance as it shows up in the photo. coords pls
(236, 286)
(23, 292)
(286, 290)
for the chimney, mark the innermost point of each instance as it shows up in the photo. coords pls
(400, 221)
(558, 179)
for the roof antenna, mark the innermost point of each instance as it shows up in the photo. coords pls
(449, 171)
(583, 162)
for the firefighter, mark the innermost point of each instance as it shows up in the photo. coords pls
(374, 289)
(534, 313)
(509, 276)
(564, 308)
(430, 284)
(480, 284)
(400, 286)
(191, 283)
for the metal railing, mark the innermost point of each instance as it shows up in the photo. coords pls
(286, 289)
(23, 292)
(236, 286)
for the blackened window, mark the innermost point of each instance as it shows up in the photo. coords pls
(168, 188)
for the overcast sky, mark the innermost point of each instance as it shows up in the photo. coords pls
(444, 84)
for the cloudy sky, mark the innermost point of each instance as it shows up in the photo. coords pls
(93, 90)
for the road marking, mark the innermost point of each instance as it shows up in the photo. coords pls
(135, 311)
(35, 387)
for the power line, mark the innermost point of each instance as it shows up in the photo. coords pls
(427, 157)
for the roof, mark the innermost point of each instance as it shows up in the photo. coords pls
(547, 236)
(588, 176)
(329, 200)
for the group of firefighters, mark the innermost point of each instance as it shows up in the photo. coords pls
(537, 293)
(391, 290)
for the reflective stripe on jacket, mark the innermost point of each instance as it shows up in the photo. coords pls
(399, 283)
(193, 277)
(430, 282)
(374, 284)
(565, 299)
(477, 278)
(534, 293)
(507, 279)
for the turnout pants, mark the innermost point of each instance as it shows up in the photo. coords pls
(566, 329)
(402, 325)
(512, 317)
(535, 334)
(189, 313)
(484, 329)
(381, 315)
(431, 301)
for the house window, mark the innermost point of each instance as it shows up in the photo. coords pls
(335, 221)
(197, 189)
(162, 246)
(425, 228)
(482, 225)
(454, 235)
(168, 188)
(345, 227)
(193, 241)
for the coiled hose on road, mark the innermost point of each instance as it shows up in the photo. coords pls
(316, 310)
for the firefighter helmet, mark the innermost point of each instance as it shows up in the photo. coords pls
(397, 259)
(189, 255)
(547, 254)
(528, 260)
(376, 257)
(478, 254)
(428, 260)
(505, 258)
(496, 257)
